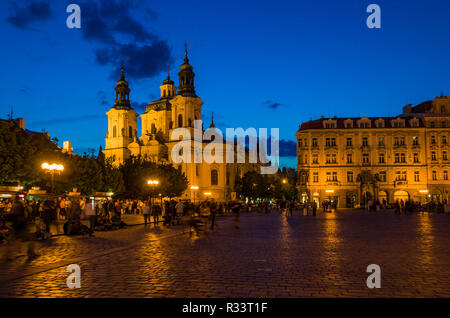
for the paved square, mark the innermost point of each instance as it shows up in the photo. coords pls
(268, 256)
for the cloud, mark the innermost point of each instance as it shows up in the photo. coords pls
(35, 11)
(140, 61)
(273, 105)
(139, 107)
(288, 148)
(120, 36)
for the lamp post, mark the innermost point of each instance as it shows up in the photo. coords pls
(152, 184)
(52, 169)
(194, 188)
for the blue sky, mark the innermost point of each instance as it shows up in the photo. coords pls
(257, 63)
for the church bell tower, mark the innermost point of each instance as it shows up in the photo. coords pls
(122, 124)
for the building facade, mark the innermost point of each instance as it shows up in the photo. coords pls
(353, 160)
(178, 107)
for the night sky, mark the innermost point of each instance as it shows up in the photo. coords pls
(257, 63)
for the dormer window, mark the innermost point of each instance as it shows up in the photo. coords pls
(414, 122)
(398, 123)
(348, 123)
(330, 124)
(364, 123)
(379, 123)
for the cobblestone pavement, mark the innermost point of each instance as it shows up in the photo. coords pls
(268, 256)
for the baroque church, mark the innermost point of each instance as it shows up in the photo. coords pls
(178, 107)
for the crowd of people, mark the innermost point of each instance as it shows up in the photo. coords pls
(106, 214)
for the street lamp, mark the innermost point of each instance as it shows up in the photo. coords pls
(194, 188)
(152, 183)
(284, 181)
(52, 169)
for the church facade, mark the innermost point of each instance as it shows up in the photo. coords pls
(178, 107)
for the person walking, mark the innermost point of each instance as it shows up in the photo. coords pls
(48, 212)
(156, 212)
(236, 208)
(146, 211)
(213, 212)
(89, 212)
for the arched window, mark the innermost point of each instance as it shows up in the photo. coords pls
(180, 120)
(130, 132)
(114, 131)
(214, 177)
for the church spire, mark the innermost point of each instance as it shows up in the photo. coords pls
(122, 92)
(212, 121)
(186, 59)
(186, 77)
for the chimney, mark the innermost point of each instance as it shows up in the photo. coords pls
(21, 123)
(407, 109)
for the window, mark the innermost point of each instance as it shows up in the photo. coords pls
(330, 142)
(180, 120)
(445, 175)
(196, 170)
(399, 141)
(444, 140)
(442, 109)
(381, 141)
(349, 176)
(114, 131)
(432, 125)
(300, 143)
(433, 140)
(130, 132)
(416, 158)
(365, 158)
(349, 158)
(415, 141)
(364, 125)
(214, 177)
(397, 158)
(416, 176)
(153, 129)
(315, 177)
(382, 176)
(402, 157)
(433, 155)
(348, 125)
(381, 158)
(331, 158)
(364, 141)
(315, 159)
(306, 158)
(331, 176)
(444, 124)
(334, 176)
(434, 175)
(444, 155)
(400, 176)
(314, 142)
(349, 142)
